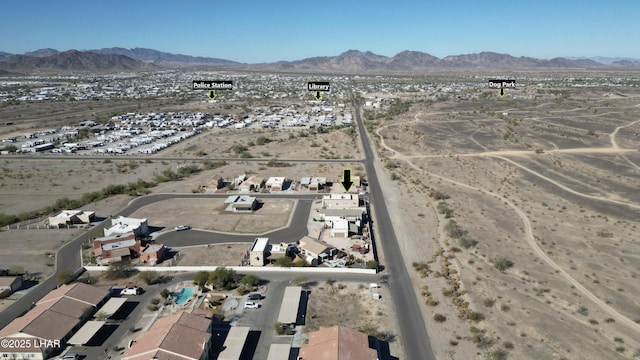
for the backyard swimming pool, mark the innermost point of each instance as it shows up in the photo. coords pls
(182, 296)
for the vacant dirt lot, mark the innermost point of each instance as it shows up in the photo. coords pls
(565, 216)
(210, 214)
(222, 254)
(285, 143)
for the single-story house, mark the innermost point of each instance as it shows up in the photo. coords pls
(70, 217)
(241, 203)
(340, 201)
(337, 342)
(315, 252)
(53, 321)
(339, 228)
(275, 183)
(10, 284)
(313, 183)
(182, 335)
(253, 183)
(213, 183)
(152, 254)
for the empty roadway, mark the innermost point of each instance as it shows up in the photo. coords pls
(412, 327)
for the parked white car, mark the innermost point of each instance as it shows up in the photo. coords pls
(182, 227)
(251, 305)
(131, 290)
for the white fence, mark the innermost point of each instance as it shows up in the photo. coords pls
(246, 269)
(40, 226)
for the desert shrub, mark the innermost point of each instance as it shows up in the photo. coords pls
(284, 261)
(475, 316)
(467, 242)
(64, 277)
(239, 148)
(582, 310)
(261, 140)
(488, 302)
(119, 270)
(250, 280)
(223, 278)
(372, 264)
(497, 355)
(299, 280)
(502, 263)
(444, 209)
(201, 278)
(431, 301)
(438, 195)
(439, 318)
(149, 277)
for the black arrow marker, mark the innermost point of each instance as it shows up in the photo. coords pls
(346, 180)
(501, 92)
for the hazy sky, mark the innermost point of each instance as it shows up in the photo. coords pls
(266, 31)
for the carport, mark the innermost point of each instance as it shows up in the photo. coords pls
(234, 343)
(86, 333)
(111, 307)
(290, 305)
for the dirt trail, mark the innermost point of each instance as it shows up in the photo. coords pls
(566, 188)
(614, 143)
(612, 136)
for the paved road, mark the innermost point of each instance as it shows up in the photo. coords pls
(68, 257)
(296, 230)
(166, 158)
(412, 328)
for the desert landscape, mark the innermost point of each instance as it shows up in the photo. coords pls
(516, 215)
(542, 196)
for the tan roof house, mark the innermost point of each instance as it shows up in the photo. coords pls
(179, 336)
(337, 343)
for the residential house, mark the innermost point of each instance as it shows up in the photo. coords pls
(241, 203)
(116, 247)
(239, 180)
(313, 183)
(339, 228)
(275, 183)
(9, 285)
(340, 201)
(179, 336)
(70, 217)
(337, 342)
(153, 254)
(258, 252)
(213, 183)
(314, 251)
(123, 225)
(252, 184)
(53, 320)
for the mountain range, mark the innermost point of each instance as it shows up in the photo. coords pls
(141, 59)
(72, 60)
